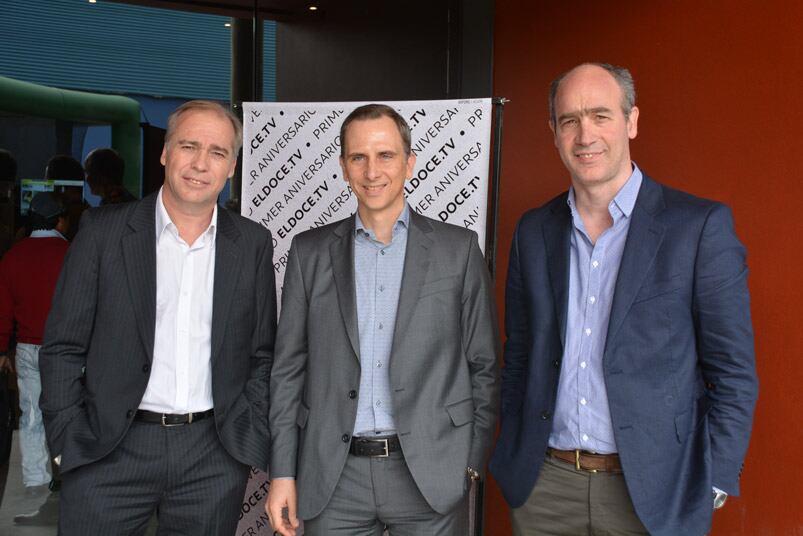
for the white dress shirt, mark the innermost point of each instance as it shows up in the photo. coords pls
(181, 371)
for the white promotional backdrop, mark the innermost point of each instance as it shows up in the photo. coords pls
(292, 182)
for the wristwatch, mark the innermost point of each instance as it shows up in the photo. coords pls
(473, 474)
(719, 499)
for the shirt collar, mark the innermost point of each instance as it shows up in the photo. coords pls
(403, 220)
(163, 220)
(47, 233)
(625, 198)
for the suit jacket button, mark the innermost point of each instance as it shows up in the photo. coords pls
(352, 394)
(345, 438)
(146, 368)
(545, 415)
(556, 363)
(129, 413)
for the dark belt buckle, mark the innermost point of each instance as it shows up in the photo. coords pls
(171, 425)
(387, 450)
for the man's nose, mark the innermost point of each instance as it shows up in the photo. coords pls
(200, 160)
(372, 168)
(585, 133)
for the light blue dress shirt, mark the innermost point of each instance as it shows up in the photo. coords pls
(582, 416)
(378, 272)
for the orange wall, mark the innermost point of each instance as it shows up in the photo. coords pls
(720, 89)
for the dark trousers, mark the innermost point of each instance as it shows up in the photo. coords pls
(181, 473)
(378, 493)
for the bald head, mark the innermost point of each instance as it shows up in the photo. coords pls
(620, 76)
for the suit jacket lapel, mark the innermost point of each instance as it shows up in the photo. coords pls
(227, 271)
(139, 259)
(643, 241)
(557, 241)
(416, 264)
(341, 251)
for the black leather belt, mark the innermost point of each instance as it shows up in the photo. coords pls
(375, 446)
(171, 419)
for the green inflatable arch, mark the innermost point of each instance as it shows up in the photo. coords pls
(91, 108)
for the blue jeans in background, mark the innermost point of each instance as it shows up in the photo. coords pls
(35, 457)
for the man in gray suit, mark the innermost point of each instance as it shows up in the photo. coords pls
(158, 349)
(384, 385)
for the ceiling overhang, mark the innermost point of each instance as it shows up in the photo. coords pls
(241, 9)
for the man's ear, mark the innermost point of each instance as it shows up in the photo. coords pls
(632, 123)
(410, 164)
(554, 130)
(343, 168)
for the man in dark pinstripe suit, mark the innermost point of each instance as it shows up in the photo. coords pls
(158, 349)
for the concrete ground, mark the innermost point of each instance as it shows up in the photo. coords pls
(15, 502)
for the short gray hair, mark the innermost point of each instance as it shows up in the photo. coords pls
(206, 106)
(620, 74)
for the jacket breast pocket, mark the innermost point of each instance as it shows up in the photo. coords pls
(461, 412)
(658, 288)
(439, 285)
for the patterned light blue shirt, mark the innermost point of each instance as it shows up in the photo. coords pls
(377, 276)
(582, 416)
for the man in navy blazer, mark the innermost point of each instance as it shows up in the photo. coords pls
(629, 376)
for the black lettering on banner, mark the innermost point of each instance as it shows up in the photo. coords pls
(273, 182)
(459, 199)
(433, 130)
(307, 175)
(475, 118)
(414, 119)
(263, 133)
(471, 218)
(423, 204)
(297, 217)
(461, 165)
(332, 208)
(281, 143)
(272, 213)
(280, 263)
(327, 123)
(255, 498)
(429, 166)
(293, 156)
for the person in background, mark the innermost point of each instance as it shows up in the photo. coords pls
(8, 180)
(28, 274)
(104, 174)
(67, 168)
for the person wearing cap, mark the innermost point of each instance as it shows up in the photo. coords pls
(28, 274)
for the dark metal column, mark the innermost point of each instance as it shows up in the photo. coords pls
(246, 75)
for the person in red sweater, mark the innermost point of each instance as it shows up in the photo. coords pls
(28, 274)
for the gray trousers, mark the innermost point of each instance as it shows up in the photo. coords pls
(181, 473)
(568, 502)
(374, 493)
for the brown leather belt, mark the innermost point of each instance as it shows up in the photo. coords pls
(587, 461)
